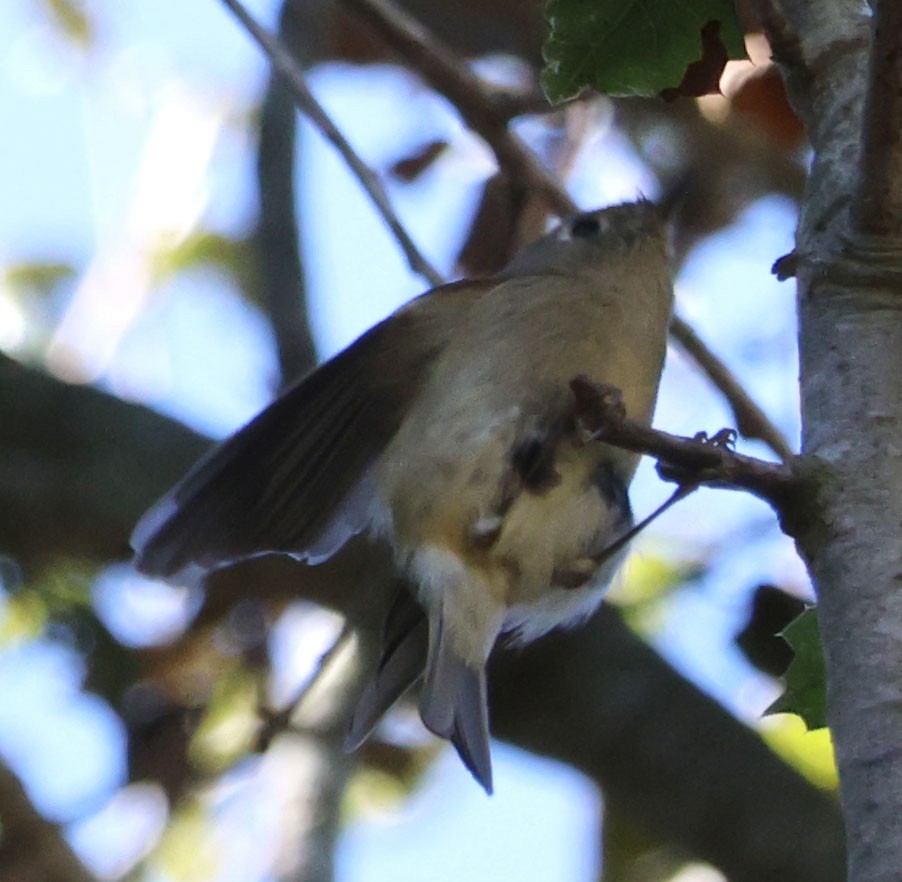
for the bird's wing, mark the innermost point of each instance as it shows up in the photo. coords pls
(295, 479)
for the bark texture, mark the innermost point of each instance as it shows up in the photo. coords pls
(850, 333)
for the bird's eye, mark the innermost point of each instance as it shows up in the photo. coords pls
(584, 227)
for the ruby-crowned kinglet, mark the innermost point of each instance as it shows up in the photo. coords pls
(449, 430)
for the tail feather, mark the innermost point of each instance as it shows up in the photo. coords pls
(454, 705)
(405, 640)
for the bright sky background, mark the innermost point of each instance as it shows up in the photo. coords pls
(150, 135)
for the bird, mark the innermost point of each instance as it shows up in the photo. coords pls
(448, 431)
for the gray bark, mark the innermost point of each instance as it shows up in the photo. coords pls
(850, 333)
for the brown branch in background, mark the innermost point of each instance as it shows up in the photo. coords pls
(692, 461)
(293, 74)
(877, 210)
(277, 237)
(319, 724)
(751, 421)
(588, 697)
(441, 69)
(482, 110)
(607, 721)
(33, 849)
(443, 72)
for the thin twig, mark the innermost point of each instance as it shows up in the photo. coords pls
(276, 722)
(481, 109)
(699, 460)
(488, 117)
(288, 68)
(482, 112)
(751, 421)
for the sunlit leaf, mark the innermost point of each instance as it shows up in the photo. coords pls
(632, 47)
(809, 752)
(805, 692)
(235, 256)
(189, 850)
(646, 581)
(230, 723)
(23, 617)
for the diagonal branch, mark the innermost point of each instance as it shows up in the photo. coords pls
(488, 116)
(288, 68)
(751, 421)
(484, 111)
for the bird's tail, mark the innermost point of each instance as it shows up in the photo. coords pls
(454, 705)
(405, 639)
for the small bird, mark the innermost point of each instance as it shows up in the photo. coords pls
(449, 431)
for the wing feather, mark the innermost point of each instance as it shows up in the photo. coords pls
(294, 479)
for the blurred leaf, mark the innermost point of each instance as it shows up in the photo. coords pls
(235, 256)
(646, 581)
(761, 99)
(805, 693)
(637, 47)
(189, 849)
(71, 20)
(631, 853)
(60, 607)
(411, 167)
(39, 278)
(809, 752)
(112, 669)
(228, 729)
(23, 617)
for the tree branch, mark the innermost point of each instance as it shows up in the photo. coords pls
(850, 333)
(488, 118)
(599, 410)
(595, 698)
(277, 236)
(751, 421)
(482, 110)
(136, 454)
(293, 74)
(32, 849)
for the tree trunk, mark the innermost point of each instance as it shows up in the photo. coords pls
(850, 332)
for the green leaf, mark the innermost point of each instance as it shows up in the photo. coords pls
(234, 256)
(631, 47)
(805, 692)
(40, 278)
